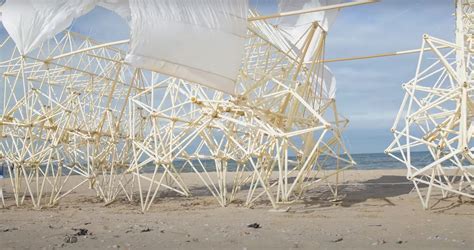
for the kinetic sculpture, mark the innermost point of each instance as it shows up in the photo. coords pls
(63, 111)
(128, 122)
(281, 110)
(437, 113)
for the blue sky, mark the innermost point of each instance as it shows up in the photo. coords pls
(368, 91)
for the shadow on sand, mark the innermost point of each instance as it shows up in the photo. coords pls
(382, 189)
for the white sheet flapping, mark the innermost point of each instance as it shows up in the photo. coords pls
(31, 22)
(197, 40)
(296, 27)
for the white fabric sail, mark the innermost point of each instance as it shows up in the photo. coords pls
(329, 83)
(31, 22)
(296, 27)
(201, 41)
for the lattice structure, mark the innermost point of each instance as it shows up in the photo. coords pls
(75, 108)
(281, 110)
(437, 113)
(62, 113)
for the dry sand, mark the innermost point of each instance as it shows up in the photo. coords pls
(379, 210)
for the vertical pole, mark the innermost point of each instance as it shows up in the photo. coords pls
(461, 73)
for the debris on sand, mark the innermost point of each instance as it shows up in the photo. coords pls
(81, 231)
(375, 225)
(8, 229)
(138, 228)
(379, 242)
(254, 225)
(337, 238)
(399, 241)
(70, 238)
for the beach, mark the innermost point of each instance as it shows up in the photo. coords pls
(224, 124)
(378, 209)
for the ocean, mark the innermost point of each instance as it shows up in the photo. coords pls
(364, 162)
(384, 161)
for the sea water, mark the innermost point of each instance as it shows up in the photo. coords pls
(364, 162)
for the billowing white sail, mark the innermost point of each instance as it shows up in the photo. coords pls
(31, 22)
(201, 41)
(297, 27)
(197, 40)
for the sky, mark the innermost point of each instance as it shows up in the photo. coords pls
(368, 91)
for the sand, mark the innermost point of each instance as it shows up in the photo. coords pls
(379, 210)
